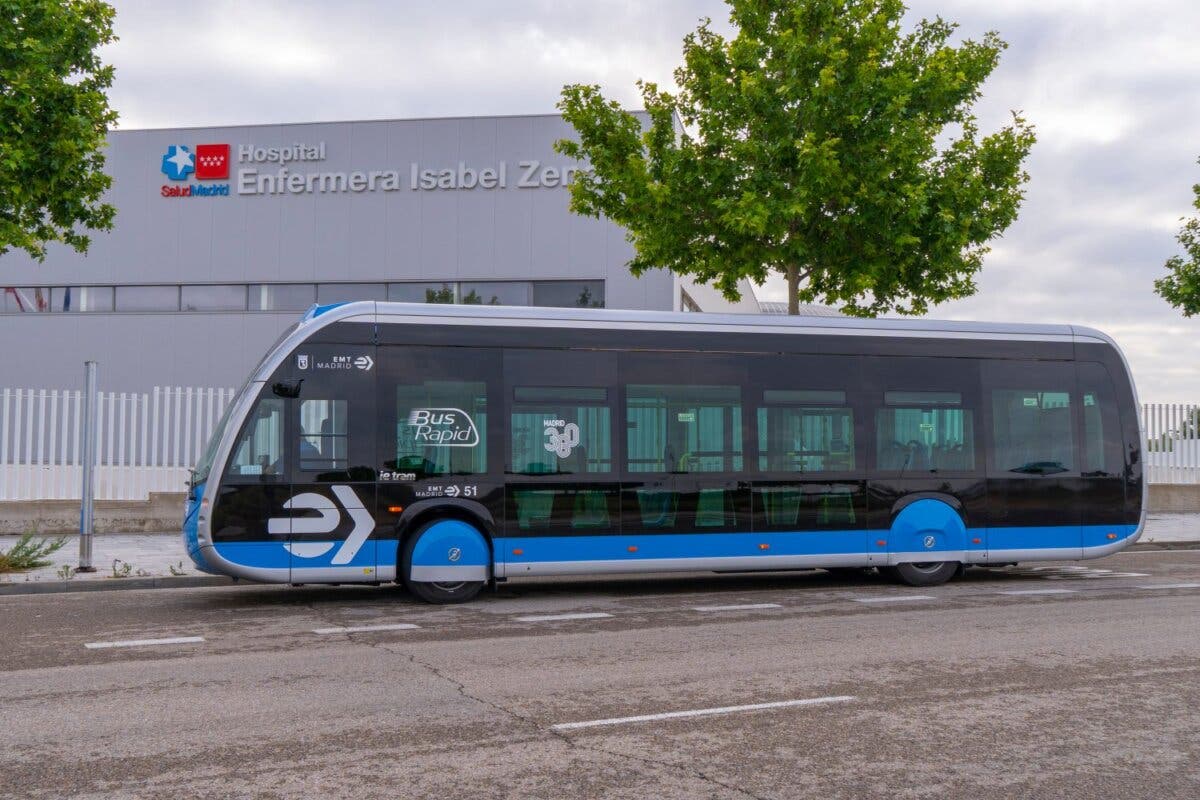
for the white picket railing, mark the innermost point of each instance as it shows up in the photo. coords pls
(144, 442)
(1173, 442)
(147, 442)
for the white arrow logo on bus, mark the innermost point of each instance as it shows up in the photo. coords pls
(364, 362)
(328, 520)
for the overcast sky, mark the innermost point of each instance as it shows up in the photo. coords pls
(1113, 88)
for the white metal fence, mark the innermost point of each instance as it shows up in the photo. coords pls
(1173, 442)
(145, 442)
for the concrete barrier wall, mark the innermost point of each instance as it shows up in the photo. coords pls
(164, 511)
(1174, 497)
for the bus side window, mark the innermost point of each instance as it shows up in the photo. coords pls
(924, 432)
(1102, 446)
(683, 428)
(324, 438)
(259, 450)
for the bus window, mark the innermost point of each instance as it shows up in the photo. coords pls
(441, 428)
(1102, 446)
(1032, 431)
(683, 429)
(560, 430)
(259, 450)
(805, 431)
(324, 443)
(924, 432)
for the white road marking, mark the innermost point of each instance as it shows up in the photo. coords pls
(144, 642)
(400, 626)
(701, 712)
(1039, 591)
(747, 607)
(904, 598)
(557, 617)
(1171, 586)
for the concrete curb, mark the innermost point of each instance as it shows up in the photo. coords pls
(113, 584)
(1149, 546)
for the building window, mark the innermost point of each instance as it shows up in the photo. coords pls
(569, 294)
(282, 296)
(494, 293)
(347, 292)
(231, 297)
(422, 292)
(147, 298)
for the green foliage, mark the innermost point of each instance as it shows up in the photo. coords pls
(54, 116)
(28, 554)
(444, 295)
(809, 145)
(1181, 287)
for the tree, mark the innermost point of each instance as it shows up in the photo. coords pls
(54, 117)
(1181, 288)
(820, 142)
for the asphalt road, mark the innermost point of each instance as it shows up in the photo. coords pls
(1069, 682)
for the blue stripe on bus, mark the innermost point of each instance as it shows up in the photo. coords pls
(613, 547)
(616, 547)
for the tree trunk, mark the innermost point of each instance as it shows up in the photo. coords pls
(793, 282)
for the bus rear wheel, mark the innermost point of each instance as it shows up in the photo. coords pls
(924, 573)
(439, 592)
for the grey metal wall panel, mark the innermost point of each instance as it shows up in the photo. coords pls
(454, 234)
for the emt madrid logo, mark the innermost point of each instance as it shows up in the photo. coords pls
(209, 162)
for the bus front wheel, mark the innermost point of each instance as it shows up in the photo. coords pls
(925, 573)
(440, 592)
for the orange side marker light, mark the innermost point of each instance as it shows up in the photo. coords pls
(764, 547)
(977, 540)
(632, 548)
(881, 542)
(395, 509)
(1112, 536)
(518, 552)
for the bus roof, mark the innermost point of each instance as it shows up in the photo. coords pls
(618, 319)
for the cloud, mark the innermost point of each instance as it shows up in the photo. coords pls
(1113, 88)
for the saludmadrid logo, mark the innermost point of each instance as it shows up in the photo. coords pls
(209, 162)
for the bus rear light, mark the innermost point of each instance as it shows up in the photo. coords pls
(395, 509)
(518, 552)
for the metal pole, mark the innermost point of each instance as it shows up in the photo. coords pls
(86, 522)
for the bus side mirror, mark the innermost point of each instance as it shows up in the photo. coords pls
(288, 388)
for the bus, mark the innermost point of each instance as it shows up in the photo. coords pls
(448, 447)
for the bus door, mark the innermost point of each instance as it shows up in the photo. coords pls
(1034, 476)
(684, 456)
(331, 510)
(560, 468)
(808, 445)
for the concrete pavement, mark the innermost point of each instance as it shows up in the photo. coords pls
(1072, 681)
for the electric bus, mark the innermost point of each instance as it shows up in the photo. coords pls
(448, 446)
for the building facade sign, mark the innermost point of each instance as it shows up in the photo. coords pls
(255, 175)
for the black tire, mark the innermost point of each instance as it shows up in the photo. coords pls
(929, 573)
(437, 593)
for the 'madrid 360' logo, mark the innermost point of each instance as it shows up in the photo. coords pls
(448, 427)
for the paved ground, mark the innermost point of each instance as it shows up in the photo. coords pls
(162, 554)
(1070, 681)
